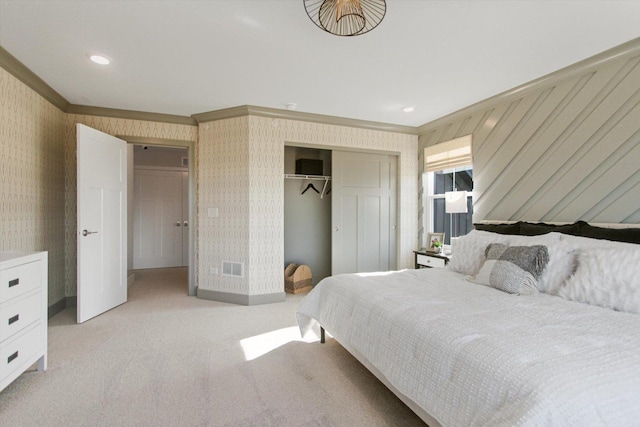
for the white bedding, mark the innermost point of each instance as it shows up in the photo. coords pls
(472, 355)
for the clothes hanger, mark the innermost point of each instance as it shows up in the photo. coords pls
(312, 187)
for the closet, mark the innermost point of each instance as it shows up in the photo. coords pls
(340, 218)
(307, 211)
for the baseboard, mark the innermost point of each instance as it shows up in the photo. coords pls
(241, 299)
(131, 278)
(72, 301)
(56, 308)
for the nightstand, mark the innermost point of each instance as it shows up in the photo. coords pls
(430, 259)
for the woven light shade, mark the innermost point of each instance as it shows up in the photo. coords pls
(346, 17)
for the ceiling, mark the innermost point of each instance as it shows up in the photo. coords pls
(188, 57)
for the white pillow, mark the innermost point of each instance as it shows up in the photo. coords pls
(467, 252)
(541, 239)
(563, 261)
(587, 242)
(607, 277)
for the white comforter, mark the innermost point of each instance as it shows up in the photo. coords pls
(472, 355)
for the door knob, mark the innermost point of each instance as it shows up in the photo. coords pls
(86, 232)
(186, 223)
(178, 224)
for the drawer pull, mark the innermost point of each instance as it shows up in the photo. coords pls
(13, 357)
(14, 319)
(14, 282)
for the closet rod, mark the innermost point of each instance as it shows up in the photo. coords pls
(310, 177)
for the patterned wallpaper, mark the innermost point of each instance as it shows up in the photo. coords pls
(112, 126)
(32, 191)
(223, 183)
(241, 166)
(238, 167)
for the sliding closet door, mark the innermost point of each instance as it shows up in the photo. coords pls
(363, 212)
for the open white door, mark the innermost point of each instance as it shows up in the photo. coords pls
(102, 222)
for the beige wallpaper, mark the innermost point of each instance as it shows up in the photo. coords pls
(241, 166)
(568, 150)
(112, 126)
(32, 191)
(223, 183)
(238, 168)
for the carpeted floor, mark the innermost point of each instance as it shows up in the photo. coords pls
(166, 359)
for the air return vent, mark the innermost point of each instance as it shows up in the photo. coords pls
(235, 269)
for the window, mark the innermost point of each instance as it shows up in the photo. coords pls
(447, 168)
(452, 224)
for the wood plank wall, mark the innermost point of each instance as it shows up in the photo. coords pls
(560, 149)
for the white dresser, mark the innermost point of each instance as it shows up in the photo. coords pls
(23, 313)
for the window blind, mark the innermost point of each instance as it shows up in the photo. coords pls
(450, 154)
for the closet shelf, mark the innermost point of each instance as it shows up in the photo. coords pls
(312, 177)
(326, 180)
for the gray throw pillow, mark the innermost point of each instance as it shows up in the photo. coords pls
(513, 269)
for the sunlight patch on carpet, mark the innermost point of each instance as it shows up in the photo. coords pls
(262, 344)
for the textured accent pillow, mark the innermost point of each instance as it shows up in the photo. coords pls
(607, 277)
(468, 251)
(513, 269)
(563, 261)
(587, 243)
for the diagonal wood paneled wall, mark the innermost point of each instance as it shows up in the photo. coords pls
(563, 148)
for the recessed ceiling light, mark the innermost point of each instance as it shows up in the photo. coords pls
(409, 109)
(99, 59)
(291, 106)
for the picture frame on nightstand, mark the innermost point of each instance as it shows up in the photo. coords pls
(432, 238)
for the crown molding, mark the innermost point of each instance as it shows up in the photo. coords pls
(28, 77)
(274, 113)
(131, 115)
(227, 113)
(145, 140)
(625, 50)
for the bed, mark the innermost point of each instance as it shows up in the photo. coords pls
(461, 348)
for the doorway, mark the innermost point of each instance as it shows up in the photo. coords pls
(158, 148)
(160, 208)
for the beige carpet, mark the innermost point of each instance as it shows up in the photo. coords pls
(166, 359)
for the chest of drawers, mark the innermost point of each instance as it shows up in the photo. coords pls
(23, 313)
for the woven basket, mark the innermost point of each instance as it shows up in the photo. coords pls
(297, 279)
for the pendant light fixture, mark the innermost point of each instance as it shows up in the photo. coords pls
(346, 17)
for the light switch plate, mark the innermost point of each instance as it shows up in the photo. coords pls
(212, 212)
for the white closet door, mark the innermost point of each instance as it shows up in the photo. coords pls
(363, 212)
(158, 221)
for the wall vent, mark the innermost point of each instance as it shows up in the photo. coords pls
(235, 269)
